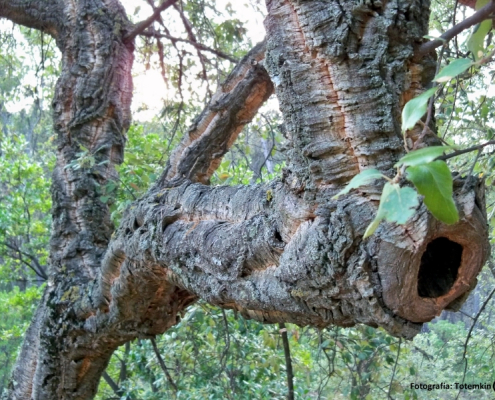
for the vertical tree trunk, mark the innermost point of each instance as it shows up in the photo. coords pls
(91, 111)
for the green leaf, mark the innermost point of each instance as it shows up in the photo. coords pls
(476, 42)
(415, 109)
(422, 156)
(455, 68)
(363, 178)
(434, 182)
(396, 205)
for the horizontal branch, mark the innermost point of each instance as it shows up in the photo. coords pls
(141, 26)
(268, 254)
(468, 150)
(197, 45)
(42, 15)
(476, 18)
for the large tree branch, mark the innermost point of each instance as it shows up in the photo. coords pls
(479, 16)
(43, 15)
(212, 134)
(275, 258)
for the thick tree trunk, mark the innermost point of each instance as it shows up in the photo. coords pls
(281, 252)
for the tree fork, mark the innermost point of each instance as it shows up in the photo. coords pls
(279, 252)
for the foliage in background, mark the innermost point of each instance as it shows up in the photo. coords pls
(16, 309)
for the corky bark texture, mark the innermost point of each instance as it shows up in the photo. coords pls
(279, 252)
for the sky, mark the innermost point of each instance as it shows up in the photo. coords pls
(150, 91)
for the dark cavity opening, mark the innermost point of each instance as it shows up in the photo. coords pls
(439, 267)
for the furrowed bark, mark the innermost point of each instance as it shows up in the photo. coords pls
(212, 134)
(279, 252)
(33, 13)
(343, 73)
(265, 252)
(91, 106)
(91, 115)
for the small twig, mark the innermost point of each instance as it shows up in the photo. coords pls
(456, 45)
(141, 26)
(190, 34)
(395, 368)
(197, 45)
(468, 179)
(116, 388)
(424, 353)
(464, 151)
(223, 358)
(288, 361)
(162, 364)
(111, 383)
(468, 337)
(161, 58)
(453, 108)
(426, 127)
(39, 270)
(477, 17)
(127, 188)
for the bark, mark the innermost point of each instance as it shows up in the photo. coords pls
(213, 132)
(33, 14)
(279, 252)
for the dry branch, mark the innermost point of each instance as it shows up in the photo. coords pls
(212, 134)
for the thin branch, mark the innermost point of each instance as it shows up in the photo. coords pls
(468, 178)
(468, 150)
(141, 26)
(223, 358)
(429, 116)
(112, 384)
(453, 107)
(162, 364)
(288, 361)
(39, 270)
(197, 45)
(468, 337)
(454, 23)
(395, 368)
(187, 24)
(477, 17)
